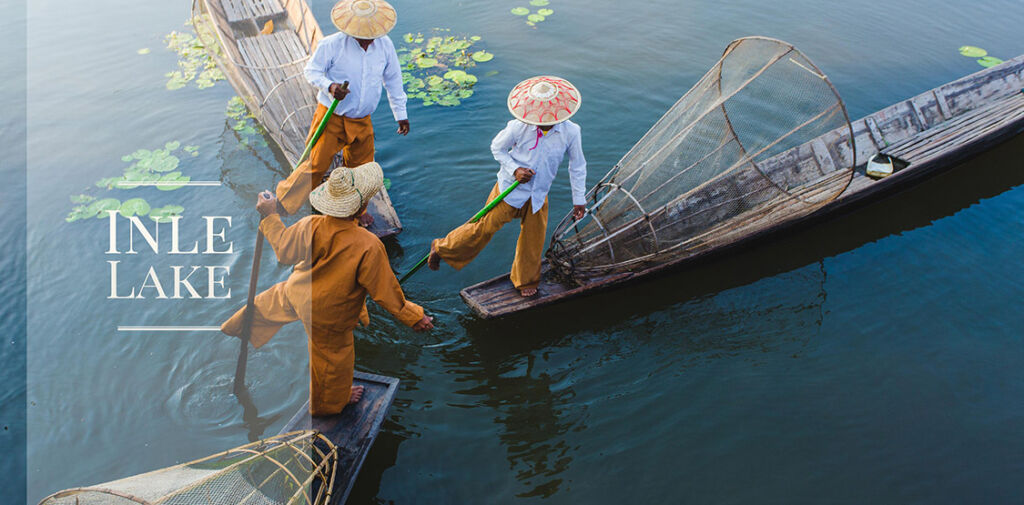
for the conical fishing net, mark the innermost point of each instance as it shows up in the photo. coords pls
(757, 140)
(294, 468)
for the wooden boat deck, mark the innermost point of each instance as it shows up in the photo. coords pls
(928, 133)
(267, 72)
(353, 431)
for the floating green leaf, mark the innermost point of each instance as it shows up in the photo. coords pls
(195, 62)
(165, 213)
(426, 62)
(989, 61)
(482, 56)
(972, 51)
(520, 11)
(144, 50)
(545, 12)
(82, 198)
(101, 207)
(539, 3)
(170, 178)
(80, 212)
(535, 18)
(491, 73)
(134, 207)
(434, 67)
(172, 145)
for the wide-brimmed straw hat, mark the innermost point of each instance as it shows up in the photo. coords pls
(364, 19)
(347, 190)
(544, 100)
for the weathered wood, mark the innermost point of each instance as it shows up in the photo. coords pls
(353, 431)
(266, 71)
(966, 117)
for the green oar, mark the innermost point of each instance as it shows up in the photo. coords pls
(483, 212)
(243, 354)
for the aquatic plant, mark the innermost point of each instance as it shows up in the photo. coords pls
(434, 66)
(250, 132)
(538, 16)
(194, 60)
(144, 50)
(981, 56)
(146, 167)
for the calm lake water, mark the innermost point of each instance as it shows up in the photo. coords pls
(873, 359)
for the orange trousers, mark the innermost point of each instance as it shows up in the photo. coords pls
(463, 244)
(352, 137)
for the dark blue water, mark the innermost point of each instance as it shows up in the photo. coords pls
(875, 358)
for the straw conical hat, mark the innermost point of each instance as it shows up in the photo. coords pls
(364, 19)
(347, 190)
(544, 100)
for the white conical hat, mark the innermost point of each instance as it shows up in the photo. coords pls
(364, 19)
(347, 190)
(544, 100)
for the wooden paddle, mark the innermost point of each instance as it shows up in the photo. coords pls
(247, 317)
(483, 212)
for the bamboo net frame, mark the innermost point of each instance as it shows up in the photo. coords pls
(296, 468)
(740, 150)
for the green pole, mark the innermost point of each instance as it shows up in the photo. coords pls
(483, 212)
(320, 128)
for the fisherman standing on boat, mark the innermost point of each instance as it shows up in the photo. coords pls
(529, 150)
(337, 263)
(363, 56)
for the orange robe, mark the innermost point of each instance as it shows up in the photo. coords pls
(337, 263)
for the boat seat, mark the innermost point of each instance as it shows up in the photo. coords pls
(241, 10)
(952, 134)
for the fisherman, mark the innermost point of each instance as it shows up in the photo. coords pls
(529, 150)
(363, 56)
(337, 263)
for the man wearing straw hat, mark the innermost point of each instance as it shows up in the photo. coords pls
(529, 150)
(337, 263)
(363, 56)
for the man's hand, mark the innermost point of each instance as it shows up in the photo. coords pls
(338, 91)
(427, 323)
(578, 211)
(266, 204)
(523, 174)
(403, 127)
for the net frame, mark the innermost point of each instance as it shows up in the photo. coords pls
(305, 445)
(563, 253)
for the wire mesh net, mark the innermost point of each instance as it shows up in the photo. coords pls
(740, 150)
(294, 468)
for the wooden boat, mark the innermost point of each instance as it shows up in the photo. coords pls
(926, 135)
(353, 431)
(266, 71)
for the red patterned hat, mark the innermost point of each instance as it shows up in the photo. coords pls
(544, 100)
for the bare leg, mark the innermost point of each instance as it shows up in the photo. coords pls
(356, 395)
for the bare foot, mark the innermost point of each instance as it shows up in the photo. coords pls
(434, 260)
(366, 220)
(528, 292)
(356, 395)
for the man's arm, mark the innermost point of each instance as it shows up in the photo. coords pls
(292, 244)
(578, 175)
(317, 66)
(393, 84)
(376, 276)
(500, 146)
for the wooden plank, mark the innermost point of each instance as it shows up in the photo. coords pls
(353, 431)
(918, 114)
(825, 162)
(876, 135)
(940, 99)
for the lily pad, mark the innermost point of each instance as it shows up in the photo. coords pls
(972, 51)
(426, 62)
(82, 198)
(144, 50)
(545, 12)
(165, 213)
(482, 56)
(102, 206)
(80, 212)
(172, 145)
(539, 3)
(520, 11)
(164, 163)
(989, 61)
(127, 158)
(172, 177)
(134, 207)
(535, 18)
(455, 75)
(132, 180)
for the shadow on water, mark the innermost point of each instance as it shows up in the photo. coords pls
(984, 176)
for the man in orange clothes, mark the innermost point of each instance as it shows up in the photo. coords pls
(337, 263)
(363, 56)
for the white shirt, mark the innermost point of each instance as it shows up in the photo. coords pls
(518, 146)
(339, 58)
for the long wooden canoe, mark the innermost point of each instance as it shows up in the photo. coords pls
(353, 431)
(927, 134)
(266, 71)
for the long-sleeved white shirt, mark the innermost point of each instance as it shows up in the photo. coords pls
(518, 145)
(339, 58)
